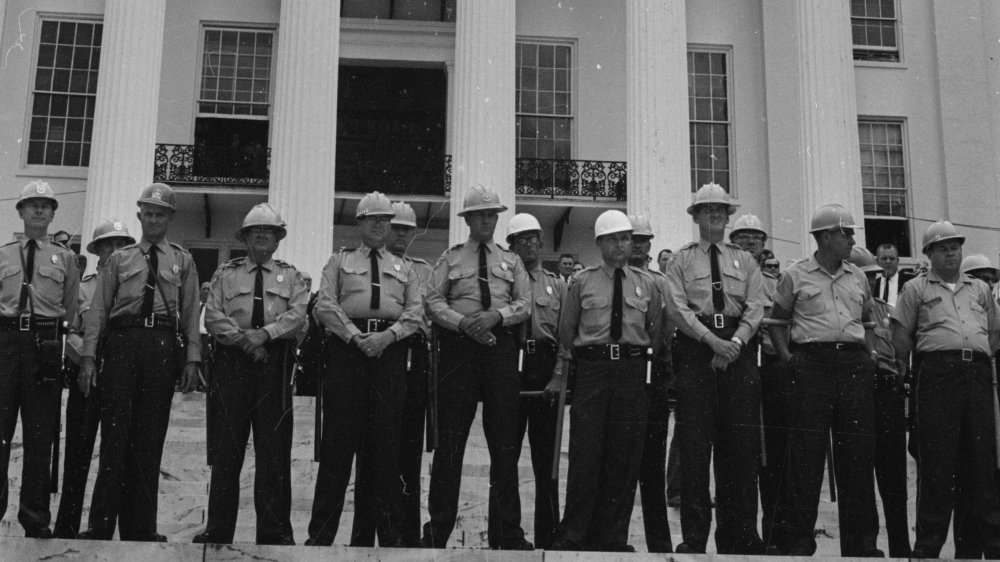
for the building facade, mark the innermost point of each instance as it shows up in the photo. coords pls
(567, 107)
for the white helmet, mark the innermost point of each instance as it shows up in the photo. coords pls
(522, 222)
(404, 215)
(712, 193)
(610, 222)
(640, 225)
(748, 222)
(978, 261)
(831, 216)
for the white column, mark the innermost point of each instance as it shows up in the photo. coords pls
(304, 130)
(659, 153)
(483, 144)
(128, 92)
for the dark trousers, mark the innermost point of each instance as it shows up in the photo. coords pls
(831, 390)
(362, 399)
(652, 470)
(411, 443)
(674, 464)
(37, 401)
(775, 401)
(248, 395)
(607, 431)
(890, 462)
(720, 411)
(83, 418)
(469, 371)
(957, 454)
(538, 419)
(137, 385)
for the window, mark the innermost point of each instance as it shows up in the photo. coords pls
(874, 29)
(421, 10)
(708, 108)
(544, 103)
(65, 88)
(883, 182)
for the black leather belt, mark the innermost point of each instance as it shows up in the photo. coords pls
(719, 321)
(151, 322)
(956, 355)
(829, 346)
(610, 352)
(370, 325)
(28, 323)
(533, 346)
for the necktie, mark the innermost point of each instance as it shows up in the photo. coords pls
(26, 276)
(616, 306)
(153, 265)
(257, 318)
(885, 289)
(484, 284)
(718, 301)
(376, 286)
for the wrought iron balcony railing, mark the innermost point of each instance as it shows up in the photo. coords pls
(592, 179)
(202, 165)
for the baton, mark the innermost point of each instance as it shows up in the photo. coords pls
(54, 481)
(996, 410)
(760, 410)
(432, 402)
(829, 468)
(560, 414)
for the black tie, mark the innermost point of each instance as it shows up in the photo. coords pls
(257, 319)
(484, 283)
(26, 276)
(718, 301)
(153, 265)
(376, 287)
(885, 289)
(616, 306)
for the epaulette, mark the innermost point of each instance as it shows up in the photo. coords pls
(129, 247)
(550, 274)
(283, 264)
(345, 249)
(655, 272)
(235, 262)
(689, 245)
(733, 246)
(456, 246)
(88, 277)
(640, 271)
(502, 249)
(11, 242)
(417, 260)
(178, 247)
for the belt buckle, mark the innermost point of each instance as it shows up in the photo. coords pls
(149, 321)
(529, 346)
(719, 321)
(372, 325)
(616, 351)
(24, 323)
(966, 355)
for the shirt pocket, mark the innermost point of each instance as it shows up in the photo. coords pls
(734, 282)
(855, 303)
(239, 299)
(502, 280)
(354, 278)
(548, 302)
(635, 310)
(978, 313)
(48, 284)
(595, 315)
(394, 282)
(810, 301)
(464, 283)
(277, 298)
(6, 275)
(698, 286)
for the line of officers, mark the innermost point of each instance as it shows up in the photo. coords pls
(410, 350)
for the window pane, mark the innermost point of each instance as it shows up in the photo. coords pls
(241, 61)
(708, 99)
(543, 87)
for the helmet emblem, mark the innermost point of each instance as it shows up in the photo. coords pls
(40, 188)
(118, 226)
(486, 196)
(157, 194)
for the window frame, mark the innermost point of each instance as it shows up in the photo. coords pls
(907, 191)
(897, 50)
(727, 52)
(207, 26)
(54, 170)
(572, 84)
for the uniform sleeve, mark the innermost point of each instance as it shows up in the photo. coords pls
(327, 310)
(189, 310)
(410, 319)
(96, 320)
(569, 318)
(290, 322)
(904, 315)
(74, 341)
(678, 311)
(561, 290)
(655, 317)
(224, 328)
(71, 289)
(519, 308)
(753, 311)
(784, 292)
(436, 301)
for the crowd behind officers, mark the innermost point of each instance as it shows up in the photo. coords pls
(817, 355)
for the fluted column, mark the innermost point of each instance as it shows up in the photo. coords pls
(659, 153)
(128, 92)
(483, 144)
(304, 130)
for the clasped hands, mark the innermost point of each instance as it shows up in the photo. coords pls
(252, 343)
(478, 326)
(725, 352)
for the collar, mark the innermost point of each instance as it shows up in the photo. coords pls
(472, 245)
(812, 264)
(162, 246)
(705, 244)
(610, 271)
(535, 271)
(266, 266)
(40, 243)
(890, 277)
(933, 277)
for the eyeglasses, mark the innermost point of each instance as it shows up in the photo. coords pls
(379, 219)
(744, 236)
(528, 241)
(256, 230)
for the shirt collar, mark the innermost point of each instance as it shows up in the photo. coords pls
(474, 245)
(266, 266)
(705, 244)
(812, 264)
(40, 243)
(610, 271)
(933, 277)
(162, 245)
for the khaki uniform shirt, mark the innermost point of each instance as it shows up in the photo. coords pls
(55, 283)
(423, 271)
(884, 350)
(345, 293)
(453, 292)
(944, 320)
(689, 277)
(121, 286)
(547, 292)
(586, 310)
(229, 309)
(74, 341)
(824, 307)
(770, 285)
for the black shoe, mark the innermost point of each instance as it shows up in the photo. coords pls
(90, 535)
(921, 552)
(873, 553)
(564, 544)
(43, 533)
(315, 542)
(685, 548)
(516, 545)
(754, 546)
(281, 540)
(209, 538)
(428, 542)
(63, 534)
(674, 501)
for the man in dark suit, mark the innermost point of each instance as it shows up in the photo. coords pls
(891, 282)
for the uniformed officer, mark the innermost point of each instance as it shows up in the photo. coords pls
(83, 413)
(952, 322)
(255, 311)
(652, 471)
(478, 294)
(890, 417)
(612, 319)
(369, 303)
(402, 230)
(748, 233)
(39, 286)
(831, 369)
(146, 309)
(540, 347)
(979, 266)
(717, 303)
